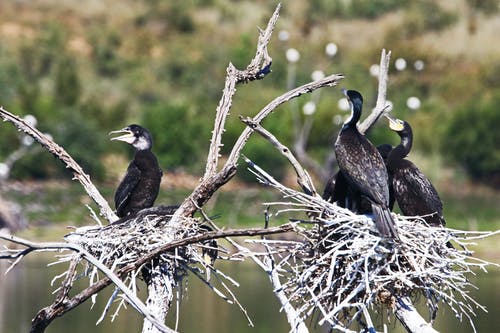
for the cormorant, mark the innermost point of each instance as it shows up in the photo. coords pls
(141, 184)
(363, 167)
(337, 189)
(415, 194)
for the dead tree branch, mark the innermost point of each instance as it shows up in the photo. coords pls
(381, 105)
(61, 154)
(303, 178)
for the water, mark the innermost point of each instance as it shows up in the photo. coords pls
(26, 289)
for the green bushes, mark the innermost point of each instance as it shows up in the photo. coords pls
(180, 135)
(472, 139)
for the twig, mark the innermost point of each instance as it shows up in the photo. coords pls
(61, 154)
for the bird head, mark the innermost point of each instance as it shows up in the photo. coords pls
(134, 135)
(353, 96)
(395, 124)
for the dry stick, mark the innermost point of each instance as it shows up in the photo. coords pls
(213, 180)
(303, 178)
(254, 71)
(61, 154)
(294, 319)
(329, 81)
(381, 105)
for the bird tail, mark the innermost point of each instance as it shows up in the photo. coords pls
(384, 221)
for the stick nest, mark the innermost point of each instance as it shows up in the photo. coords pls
(343, 268)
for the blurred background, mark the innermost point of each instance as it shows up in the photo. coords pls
(79, 69)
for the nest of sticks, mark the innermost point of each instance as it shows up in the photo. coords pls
(127, 240)
(343, 271)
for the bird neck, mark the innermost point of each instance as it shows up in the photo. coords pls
(356, 108)
(142, 144)
(399, 152)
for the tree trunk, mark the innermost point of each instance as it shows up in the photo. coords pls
(160, 295)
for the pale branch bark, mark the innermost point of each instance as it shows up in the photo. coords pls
(259, 66)
(208, 186)
(160, 295)
(303, 178)
(410, 318)
(381, 105)
(329, 81)
(61, 154)
(212, 180)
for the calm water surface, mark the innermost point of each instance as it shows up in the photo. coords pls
(27, 288)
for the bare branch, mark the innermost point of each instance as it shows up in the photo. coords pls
(410, 318)
(134, 300)
(381, 105)
(256, 70)
(329, 81)
(61, 154)
(303, 178)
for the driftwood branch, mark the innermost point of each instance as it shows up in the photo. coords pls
(213, 180)
(61, 154)
(410, 318)
(33, 246)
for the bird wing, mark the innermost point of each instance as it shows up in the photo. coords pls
(420, 187)
(126, 187)
(363, 166)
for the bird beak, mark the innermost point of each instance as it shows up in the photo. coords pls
(344, 92)
(394, 124)
(128, 135)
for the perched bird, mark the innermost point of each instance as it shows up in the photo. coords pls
(337, 189)
(414, 193)
(364, 168)
(141, 184)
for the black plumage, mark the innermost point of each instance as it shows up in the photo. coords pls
(414, 193)
(140, 185)
(338, 190)
(363, 167)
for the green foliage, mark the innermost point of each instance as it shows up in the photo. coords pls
(488, 7)
(472, 139)
(67, 82)
(180, 135)
(354, 8)
(426, 15)
(105, 55)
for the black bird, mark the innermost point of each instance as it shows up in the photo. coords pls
(363, 167)
(141, 184)
(338, 190)
(415, 194)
